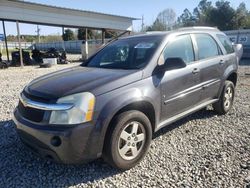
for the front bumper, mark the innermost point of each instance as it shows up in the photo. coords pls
(69, 145)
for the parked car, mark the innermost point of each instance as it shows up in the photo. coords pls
(112, 104)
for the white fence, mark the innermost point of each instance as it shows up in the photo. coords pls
(13, 45)
(69, 46)
(74, 46)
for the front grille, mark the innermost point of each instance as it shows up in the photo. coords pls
(31, 114)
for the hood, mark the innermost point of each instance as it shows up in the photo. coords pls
(81, 79)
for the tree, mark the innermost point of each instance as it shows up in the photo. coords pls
(202, 12)
(157, 26)
(247, 24)
(167, 18)
(81, 34)
(51, 38)
(68, 35)
(110, 34)
(11, 38)
(223, 16)
(241, 16)
(186, 19)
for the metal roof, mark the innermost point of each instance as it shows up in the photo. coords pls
(29, 12)
(73, 9)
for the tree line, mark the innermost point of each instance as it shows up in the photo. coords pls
(221, 15)
(69, 34)
(81, 34)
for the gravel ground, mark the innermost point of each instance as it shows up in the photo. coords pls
(202, 150)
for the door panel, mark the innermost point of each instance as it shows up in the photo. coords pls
(211, 65)
(181, 91)
(211, 71)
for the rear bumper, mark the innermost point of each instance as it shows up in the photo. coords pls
(69, 145)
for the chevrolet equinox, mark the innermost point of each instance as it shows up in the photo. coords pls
(110, 105)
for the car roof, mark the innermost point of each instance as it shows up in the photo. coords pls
(180, 30)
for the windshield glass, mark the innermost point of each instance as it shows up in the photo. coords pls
(131, 53)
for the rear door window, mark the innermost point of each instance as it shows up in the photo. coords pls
(207, 46)
(226, 43)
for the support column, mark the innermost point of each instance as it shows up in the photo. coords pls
(62, 31)
(86, 44)
(6, 43)
(19, 42)
(63, 45)
(103, 36)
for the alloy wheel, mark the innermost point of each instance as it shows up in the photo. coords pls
(131, 140)
(228, 97)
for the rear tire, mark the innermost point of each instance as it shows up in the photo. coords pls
(128, 140)
(225, 102)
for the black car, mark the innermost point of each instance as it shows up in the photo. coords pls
(112, 104)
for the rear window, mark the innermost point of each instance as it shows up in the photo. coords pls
(207, 47)
(226, 43)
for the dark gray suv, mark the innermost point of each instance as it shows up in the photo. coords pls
(112, 104)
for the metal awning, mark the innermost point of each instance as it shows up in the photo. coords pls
(28, 12)
(40, 14)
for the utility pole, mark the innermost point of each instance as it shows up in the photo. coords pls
(38, 33)
(142, 23)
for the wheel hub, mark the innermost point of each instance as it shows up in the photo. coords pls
(131, 140)
(228, 97)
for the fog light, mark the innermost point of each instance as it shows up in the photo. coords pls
(56, 141)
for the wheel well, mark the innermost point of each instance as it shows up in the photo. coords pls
(233, 78)
(142, 106)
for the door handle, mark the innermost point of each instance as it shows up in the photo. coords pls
(221, 62)
(195, 71)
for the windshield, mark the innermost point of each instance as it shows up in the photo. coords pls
(131, 53)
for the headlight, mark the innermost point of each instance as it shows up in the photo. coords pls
(82, 110)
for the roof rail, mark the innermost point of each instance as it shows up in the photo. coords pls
(198, 28)
(155, 32)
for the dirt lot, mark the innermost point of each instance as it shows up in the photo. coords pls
(202, 150)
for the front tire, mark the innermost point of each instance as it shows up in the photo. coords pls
(128, 140)
(225, 102)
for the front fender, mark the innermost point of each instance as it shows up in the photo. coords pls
(111, 105)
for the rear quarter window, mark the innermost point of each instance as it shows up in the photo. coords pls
(226, 43)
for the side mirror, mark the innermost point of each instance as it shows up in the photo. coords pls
(238, 48)
(174, 63)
